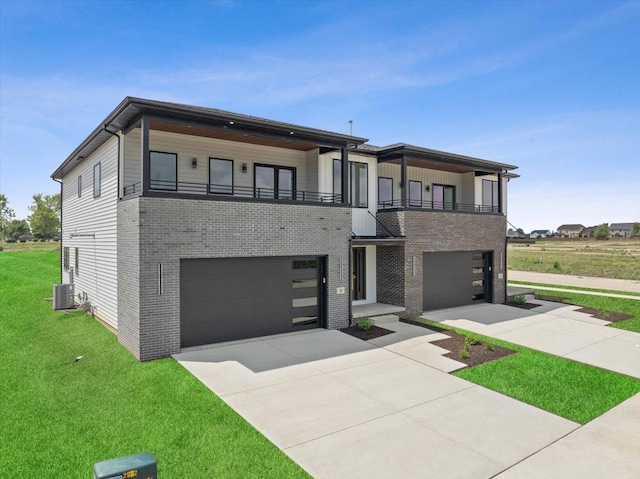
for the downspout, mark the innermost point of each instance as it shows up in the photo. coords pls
(349, 282)
(118, 175)
(59, 181)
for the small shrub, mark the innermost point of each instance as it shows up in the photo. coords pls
(488, 347)
(471, 341)
(464, 353)
(364, 324)
(520, 299)
(605, 314)
(556, 265)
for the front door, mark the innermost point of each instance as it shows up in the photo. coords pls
(358, 274)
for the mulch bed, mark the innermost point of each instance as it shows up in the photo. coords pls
(374, 332)
(522, 306)
(478, 353)
(611, 316)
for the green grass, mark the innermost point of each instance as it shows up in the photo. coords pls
(59, 416)
(573, 390)
(605, 259)
(576, 288)
(604, 303)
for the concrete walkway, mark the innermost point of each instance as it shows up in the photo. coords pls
(554, 328)
(565, 290)
(580, 281)
(342, 407)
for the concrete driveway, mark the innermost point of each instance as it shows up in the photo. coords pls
(342, 407)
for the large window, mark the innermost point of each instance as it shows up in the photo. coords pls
(97, 173)
(415, 193)
(444, 197)
(359, 185)
(272, 181)
(164, 171)
(385, 191)
(220, 176)
(490, 195)
(358, 182)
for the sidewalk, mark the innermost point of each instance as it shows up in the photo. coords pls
(580, 281)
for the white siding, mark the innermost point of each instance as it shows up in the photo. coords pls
(462, 181)
(188, 147)
(363, 223)
(93, 224)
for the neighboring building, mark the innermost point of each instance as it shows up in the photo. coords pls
(624, 230)
(588, 232)
(511, 233)
(540, 234)
(185, 225)
(570, 231)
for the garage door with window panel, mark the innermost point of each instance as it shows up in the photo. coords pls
(225, 299)
(455, 279)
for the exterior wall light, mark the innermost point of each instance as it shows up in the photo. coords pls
(244, 167)
(194, 163)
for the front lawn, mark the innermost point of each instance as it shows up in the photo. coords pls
(573, 390)
(60, 416)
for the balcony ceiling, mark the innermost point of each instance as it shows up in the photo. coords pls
(432, 165)
(227, 133)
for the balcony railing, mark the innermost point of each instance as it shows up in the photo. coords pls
(221, 191)
(439, 205)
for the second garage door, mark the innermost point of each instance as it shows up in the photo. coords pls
(455, 279)
(236, 298)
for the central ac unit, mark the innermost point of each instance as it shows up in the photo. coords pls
(62, 296)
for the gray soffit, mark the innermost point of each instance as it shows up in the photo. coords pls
(128, 113)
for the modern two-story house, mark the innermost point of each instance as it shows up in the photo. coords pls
(184, 225)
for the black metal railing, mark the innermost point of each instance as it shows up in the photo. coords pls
(205, 189)
(439, 205)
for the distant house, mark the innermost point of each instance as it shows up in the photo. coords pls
(540, 234)
(622, 230)
(588, 232)
(570, 231)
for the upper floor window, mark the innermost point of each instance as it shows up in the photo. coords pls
(220, 176)
(79, 186)
(163, 172)
(489, 195)
(97, 173)
(385, 191)
(444, 197)
(415, 193)
(272, 181)
(358, 182)
(65, 258)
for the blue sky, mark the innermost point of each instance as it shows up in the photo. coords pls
(553, 87)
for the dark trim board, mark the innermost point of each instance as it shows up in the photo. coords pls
(225, 299)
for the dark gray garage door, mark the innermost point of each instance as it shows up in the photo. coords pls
(237, 298)
(455, 279)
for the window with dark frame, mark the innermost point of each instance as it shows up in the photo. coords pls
(274, 181)
(337, 178)
(443, 197)
(163, 172)
(97, 173)
(490, 195)
(65, 258)
(79, 186)
(77, 260)
(220, 176)
(359, 182)
(385, 191)
(415, 193)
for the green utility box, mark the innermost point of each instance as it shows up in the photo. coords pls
(139, 466)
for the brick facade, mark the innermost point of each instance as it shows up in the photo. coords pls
(154, 231)
(439, 231)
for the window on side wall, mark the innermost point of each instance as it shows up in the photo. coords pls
(359, 183)
(220, 176)
(337, 178)
(65, 258)
(77, 260)
(489, 195)
(79, 186)
(97, 173)
(163, 171)
(385, 191)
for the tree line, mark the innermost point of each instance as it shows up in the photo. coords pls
(42, 224)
